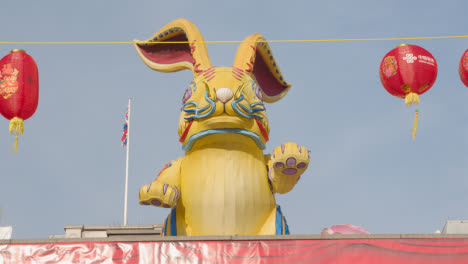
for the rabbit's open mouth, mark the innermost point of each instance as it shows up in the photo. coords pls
(256, 138)
(225, 124)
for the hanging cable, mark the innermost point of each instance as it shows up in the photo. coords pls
(215, 41)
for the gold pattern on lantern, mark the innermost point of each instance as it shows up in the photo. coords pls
(405, 88)
(423, 88)
(390, 66)
(8, 81)
(465, 62)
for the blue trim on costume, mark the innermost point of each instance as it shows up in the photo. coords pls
(279, 221)
(257, 103)
(249, 111)
(194, 86)
(286, 226)
(205, 133)
(197, 111)
(165, 228)
(236, 109)
(245, 108)
(173, 222)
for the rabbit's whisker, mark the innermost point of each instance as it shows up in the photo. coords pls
(198, 111)
(235, 106)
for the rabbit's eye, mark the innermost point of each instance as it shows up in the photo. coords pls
(187, 94)
(258, 93)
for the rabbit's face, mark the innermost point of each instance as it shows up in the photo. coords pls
(223, 100)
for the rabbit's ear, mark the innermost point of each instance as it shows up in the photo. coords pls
(163, 55)
(255, 56)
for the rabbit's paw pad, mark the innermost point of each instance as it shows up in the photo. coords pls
(162, 195)
(290, 159)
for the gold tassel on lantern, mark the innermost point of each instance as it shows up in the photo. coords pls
(412, 99)
(17, 128)
(415, 125)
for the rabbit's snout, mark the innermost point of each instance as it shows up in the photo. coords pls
(224, 94)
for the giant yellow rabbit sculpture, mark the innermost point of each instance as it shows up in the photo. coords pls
(224, 185)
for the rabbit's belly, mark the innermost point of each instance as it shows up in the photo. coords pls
(225, 192)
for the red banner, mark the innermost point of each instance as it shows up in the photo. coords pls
(324, 251)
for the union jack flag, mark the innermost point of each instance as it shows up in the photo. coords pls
(125, 130)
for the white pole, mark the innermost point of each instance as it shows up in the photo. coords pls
(126, 172)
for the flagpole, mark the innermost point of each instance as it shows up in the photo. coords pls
(126, 170)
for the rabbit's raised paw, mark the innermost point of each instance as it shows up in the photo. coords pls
(286, 164)
(157, 194)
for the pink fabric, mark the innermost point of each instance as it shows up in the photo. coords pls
(324, 251)
(344, 229)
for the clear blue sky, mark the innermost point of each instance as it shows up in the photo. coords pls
(364, 169)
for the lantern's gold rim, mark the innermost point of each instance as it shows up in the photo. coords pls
(401, 45)
(17, 50)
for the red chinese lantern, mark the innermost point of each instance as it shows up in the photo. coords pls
(19, 90)
(407, 72)
(463, 68)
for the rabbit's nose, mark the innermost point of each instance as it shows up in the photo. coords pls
(224, 94)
